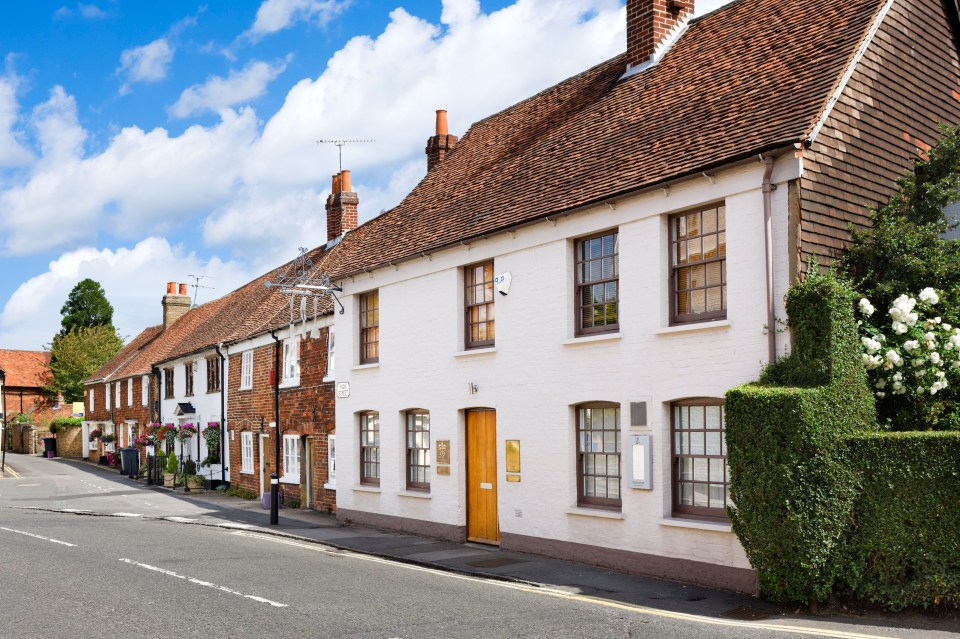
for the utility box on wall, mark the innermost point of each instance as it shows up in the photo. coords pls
(641, 461)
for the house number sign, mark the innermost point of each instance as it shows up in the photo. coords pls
(343, 390)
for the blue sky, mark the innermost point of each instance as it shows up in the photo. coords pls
(143, 142)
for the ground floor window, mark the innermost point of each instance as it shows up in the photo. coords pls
(331, 462)
(418, 450)
(246, 452)
(701, 478)
(370, 448)
(291, 458)
(598, 455)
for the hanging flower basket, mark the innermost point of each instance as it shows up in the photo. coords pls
(212, 436)
(147, 439)
(95, 434)
(186, 432)
(107, 439)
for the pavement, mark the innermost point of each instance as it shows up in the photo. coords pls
(478, 560)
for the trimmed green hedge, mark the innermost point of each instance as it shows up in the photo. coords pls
(903, 545)
(792, 490)
(59, 424)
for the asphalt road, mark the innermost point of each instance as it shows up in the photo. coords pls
(116, 568)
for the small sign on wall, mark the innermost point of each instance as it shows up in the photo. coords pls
(443, 451)
(343, 390)
(641, 461)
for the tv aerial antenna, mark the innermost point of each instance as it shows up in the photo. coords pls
(340, 144)
(197, 285)
(301, 281)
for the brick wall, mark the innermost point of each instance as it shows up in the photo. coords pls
(307, 410)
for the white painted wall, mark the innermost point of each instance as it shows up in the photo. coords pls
(538, 371)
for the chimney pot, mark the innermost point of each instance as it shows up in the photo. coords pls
(341, 207)
(183, 289)
(345, 181)
(336, 184)
(442, 122)
(174, 306)
(171, 288)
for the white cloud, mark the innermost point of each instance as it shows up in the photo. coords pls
(147, 63)
(133, 279)
(91, 11)
(12, 151)
(218, 92)
(277, 15)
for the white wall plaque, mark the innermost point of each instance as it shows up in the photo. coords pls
(641, 459)
(343, 390)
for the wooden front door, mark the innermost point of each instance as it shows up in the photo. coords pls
(482, 522)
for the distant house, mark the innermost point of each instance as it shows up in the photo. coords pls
(27, 373)
(538, 338)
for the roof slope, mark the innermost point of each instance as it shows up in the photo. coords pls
(25, 368)
(751, 76)
(127, 353)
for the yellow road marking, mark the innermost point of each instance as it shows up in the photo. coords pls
(562, 594)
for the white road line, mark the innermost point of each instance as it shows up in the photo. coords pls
(562, 594)
(235, 525)
(205, 584)
(181, 520)
(75, 510)
(26, 485)
(21, 532)
(127, 514)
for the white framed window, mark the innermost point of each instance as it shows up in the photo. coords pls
(145, 389)
(291, 361)
(331, 352)
(118, 404)
(331, 463)
(291, 459)
(246, 452)
(246, 370)
(91, 400)
(130, 392)
(107, 395)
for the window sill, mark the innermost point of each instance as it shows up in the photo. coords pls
(476, 351)
(330, 486)
(243, 388)
(211, 392)
(290, 383)
(290, 482)
(591, 512)
(246, 472)
(414, 494)
(327, 380)
(361, 367)
(360, 488)
(697, 524)
(586, 339)
(699, 326)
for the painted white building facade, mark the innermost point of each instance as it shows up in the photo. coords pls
(539, 373)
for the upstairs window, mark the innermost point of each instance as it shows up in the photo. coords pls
(698, 265)
(188, 373)
(370, 327)
(291, 361)
(117, 386)
(168, 383)
(213, 374)
(106, 395)
(479, 305)
(130, 392)
(331, 353)
(91, 400)
(246, 370)
(144, 389)
(598, 281)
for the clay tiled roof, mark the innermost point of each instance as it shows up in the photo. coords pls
(750, 77)
(115, 364)
(28, 369)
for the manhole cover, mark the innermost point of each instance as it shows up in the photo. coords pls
(495, 563)
(745, 614)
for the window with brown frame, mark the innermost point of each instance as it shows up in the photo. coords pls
(168, 383)
(598, 281)
(698, 265)
(188, 373)
(370, 448)
(479, 305)
(418, 450)
(598, 455)
(370, 327)
(701, 477)
(213, 374)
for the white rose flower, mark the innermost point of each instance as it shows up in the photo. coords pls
(946, 326)
(900, 328)
(955, 364)
(898, 377)
(929, 296)
(866, 307)
(881, 394)
(881, 383)
(934, 357)
(910, 345)
(911, 319)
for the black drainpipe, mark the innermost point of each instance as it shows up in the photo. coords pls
(223, 414)
(275, 488)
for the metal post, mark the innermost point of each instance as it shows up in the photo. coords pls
(274, 499)
(3, 424)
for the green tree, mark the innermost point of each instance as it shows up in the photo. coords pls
(86, 305)
(904, 251)
(76, 355)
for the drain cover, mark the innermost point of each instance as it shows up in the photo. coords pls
(495, 563)
(745, 614)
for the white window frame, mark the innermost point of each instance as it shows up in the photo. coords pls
(246, 452)
(108, 395)
(291, 459)
(145, 389)
(117, 387)
(291, 362)
(331, 463)
(331, 353)
(246, 370)
(92, 397)
(130, 392)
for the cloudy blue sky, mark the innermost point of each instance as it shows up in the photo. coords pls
(143, 142)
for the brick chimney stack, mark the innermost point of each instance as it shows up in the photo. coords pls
(649, 23)
(175, 304)
(440, 144)
(341, 207)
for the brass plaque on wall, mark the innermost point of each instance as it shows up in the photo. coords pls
(513, 455)
(443, 451)
(513, 478)
(443, 470)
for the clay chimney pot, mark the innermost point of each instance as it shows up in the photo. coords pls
(183, 289)
(336, 184)
(345, 181)
(442, 128)
(171, 288)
